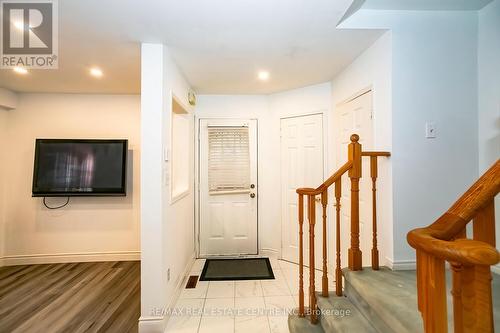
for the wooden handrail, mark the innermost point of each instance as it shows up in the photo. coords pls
(464, 251)
(376, 153)
(456, 218)
(470, 260)
(327, 183)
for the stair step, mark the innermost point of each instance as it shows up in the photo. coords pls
(388, 298)
(298, 324)
(382, 301)
(338, 314)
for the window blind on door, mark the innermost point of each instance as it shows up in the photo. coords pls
(228, 159)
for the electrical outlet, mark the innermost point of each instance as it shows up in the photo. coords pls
(168, 274)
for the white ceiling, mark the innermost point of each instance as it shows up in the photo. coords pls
(426, 4)
(218, 44)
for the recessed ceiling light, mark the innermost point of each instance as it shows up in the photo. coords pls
(263, 75)
(19, 25)
(20, 70)
(96, 72)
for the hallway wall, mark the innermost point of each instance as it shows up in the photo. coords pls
(167, 226)
(3, 138)
(88, 228)
(489, 94)
(268, 109)
(434, 79)
(372, 69)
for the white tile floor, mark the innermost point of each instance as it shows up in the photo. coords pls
(241, 306)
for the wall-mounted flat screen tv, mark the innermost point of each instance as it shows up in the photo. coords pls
(80, 168)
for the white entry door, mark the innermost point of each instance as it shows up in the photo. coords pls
(301, 166)
(228, 187)
(355, 117)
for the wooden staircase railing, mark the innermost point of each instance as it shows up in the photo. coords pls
(470, 259)
(353, 167)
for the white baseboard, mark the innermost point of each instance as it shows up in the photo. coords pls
(401, 265)
(30, 259)
(271, 253)
(151, 325)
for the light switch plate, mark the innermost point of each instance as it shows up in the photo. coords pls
(166, 154)
(430, 130)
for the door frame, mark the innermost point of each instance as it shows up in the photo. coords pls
(197, 198)
(325, 128)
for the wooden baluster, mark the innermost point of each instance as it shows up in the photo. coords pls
(468, 299)
(354, 253)
(374, 175)
(431, 283)
(484, 224)
(301, 256)
(312, 288)
(456, 291)
(484, 230)
(484, 301)
(338, 268)
(324, 286)
(476, 299)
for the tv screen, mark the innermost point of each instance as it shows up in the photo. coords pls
(80, 168)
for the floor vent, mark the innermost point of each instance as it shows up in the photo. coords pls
(192, 281)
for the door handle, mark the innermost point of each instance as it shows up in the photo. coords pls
(252, 195)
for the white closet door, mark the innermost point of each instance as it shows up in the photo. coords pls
(301, 166)
(355, 116)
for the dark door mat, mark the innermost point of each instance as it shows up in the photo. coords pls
(237, 269)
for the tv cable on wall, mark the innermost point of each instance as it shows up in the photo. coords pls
(56, 207)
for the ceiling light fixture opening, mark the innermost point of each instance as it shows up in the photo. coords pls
(19, 25)
(96, 72)
(263, 75)
(20, 70)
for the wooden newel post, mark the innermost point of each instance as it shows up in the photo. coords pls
(301, 255)
(354, 253)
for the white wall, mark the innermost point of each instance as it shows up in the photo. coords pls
(179, 219)
(268, 109)
(433, 79)
(8, 99)
(3, 146)
(167, 228)
(372, 69)
(489, 91)
(88, 228)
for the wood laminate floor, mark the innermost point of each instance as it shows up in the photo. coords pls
(73, 297)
